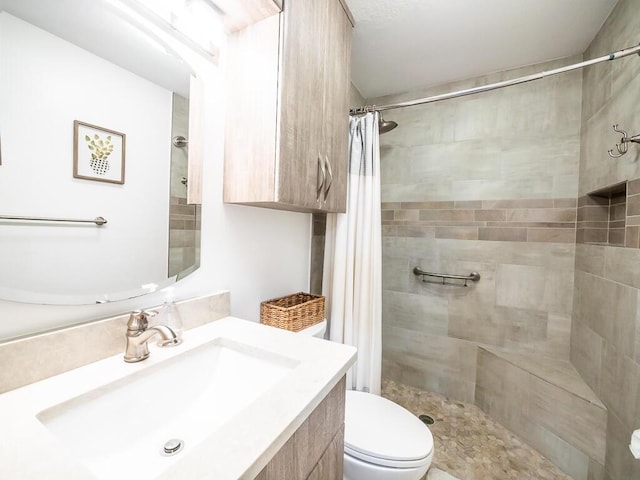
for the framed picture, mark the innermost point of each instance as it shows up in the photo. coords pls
(98, 153)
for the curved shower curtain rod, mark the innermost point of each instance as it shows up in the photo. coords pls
(494, 86)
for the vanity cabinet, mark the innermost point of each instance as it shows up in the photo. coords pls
(288, 111)
(316, 449)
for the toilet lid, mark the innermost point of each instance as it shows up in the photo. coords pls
(382, 432)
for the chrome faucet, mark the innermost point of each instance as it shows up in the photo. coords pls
(139, 333)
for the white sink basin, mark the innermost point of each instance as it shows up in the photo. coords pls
(233, 392)
(119, 430)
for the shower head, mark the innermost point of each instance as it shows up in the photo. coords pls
(385, 126)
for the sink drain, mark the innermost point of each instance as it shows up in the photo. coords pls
(427, 419)
(171, 447)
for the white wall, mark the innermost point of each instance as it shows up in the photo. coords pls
(46, 84)
(254, 253)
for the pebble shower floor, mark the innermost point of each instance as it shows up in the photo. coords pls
(470, 445)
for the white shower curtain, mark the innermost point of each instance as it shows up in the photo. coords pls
(352, 279)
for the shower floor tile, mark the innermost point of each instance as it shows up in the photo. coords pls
(470, 445)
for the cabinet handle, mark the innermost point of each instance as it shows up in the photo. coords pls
(322, 176)
(328, 187)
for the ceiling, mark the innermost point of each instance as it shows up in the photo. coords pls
(402, 45)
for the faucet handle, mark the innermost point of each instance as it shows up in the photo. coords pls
(139, 320)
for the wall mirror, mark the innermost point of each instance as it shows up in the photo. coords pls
(78, 81)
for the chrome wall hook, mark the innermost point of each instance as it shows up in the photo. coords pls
(623, 146)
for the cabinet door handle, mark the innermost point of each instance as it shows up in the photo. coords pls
(322, 176)
(328, 187)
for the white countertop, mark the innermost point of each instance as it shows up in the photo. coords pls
(240, 448)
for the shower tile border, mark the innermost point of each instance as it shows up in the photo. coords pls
(546, 220)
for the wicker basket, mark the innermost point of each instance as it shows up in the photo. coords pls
(293, 312)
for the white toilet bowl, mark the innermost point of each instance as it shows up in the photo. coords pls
(382, 440)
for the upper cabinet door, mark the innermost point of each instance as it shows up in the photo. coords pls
(287, 120)
(301, 100)
(337, 74)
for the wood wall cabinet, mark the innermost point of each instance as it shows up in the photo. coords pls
(288, 111)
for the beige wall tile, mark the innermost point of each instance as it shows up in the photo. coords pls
(436, 363)
(520, 286)
(460, 233)
(633, 205)
(525, 326)
(632, 237)
(620, 384)
(518, 399)
(541, 215)
(565, 203)
(616, 237)
(637, 341)
(558, 291)
(596, 471)
(562, 453)
(633, 220)
(586, 354)
(617, 211)
(419, 231)
(620, 265)
(592, 200)
(481, 326)
(389, 230)
(593, 213)
(406, 215)
(387, 215)
(455, 215)
(317, 260)
(469, 204)
(538, 225)
(595, 235)
(578, 422)
(519, 203)
(633, 187)
(552, 235)
(429, 205)
(391, 205)
(490, 215)
(426, 313)
(502, 234)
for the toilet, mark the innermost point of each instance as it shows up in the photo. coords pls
(382, 440)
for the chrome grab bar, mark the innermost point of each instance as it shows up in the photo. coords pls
(473, 276)
(98, 220)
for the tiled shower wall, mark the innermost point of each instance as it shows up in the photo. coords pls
(184, 235)
(184, 219)
(486, 183)
(512, 160)
(605, 336)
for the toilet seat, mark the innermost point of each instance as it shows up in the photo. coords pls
(381, 432)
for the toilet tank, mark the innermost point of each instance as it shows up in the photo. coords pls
(318, 330)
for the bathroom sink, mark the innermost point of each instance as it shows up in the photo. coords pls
(233, 393)
(119, 430)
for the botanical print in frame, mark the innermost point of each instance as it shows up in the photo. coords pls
(98, 153)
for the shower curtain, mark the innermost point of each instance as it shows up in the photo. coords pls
(352, 278)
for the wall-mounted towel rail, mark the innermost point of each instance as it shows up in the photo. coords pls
(473, 276)
(99, 221)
